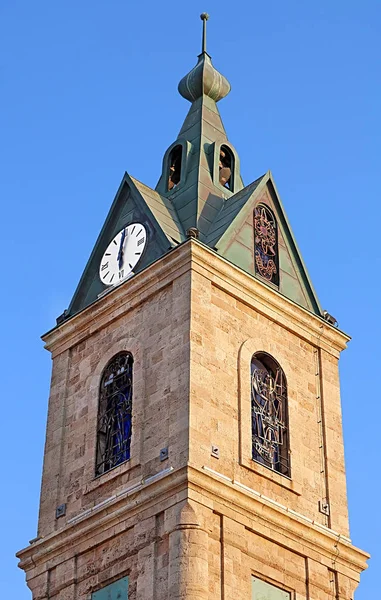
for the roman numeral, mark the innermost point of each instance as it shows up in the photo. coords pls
(112, 277)
(107, 254)
(137, 253)
(103, 267)
(115, 242)
(140, 242)
(121, 274)
(133, 229)
(139, 233)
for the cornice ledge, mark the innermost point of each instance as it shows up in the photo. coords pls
(119, 300)
(265, 300)
(281, 521)
(109, 514)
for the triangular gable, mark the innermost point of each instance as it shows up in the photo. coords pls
(229, 212)
(232, 235)
(163, 211)
(134, 202)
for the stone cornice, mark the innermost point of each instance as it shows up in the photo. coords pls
(267, 301)
(122, 507)
(257, 512)
(273, 520)
(192, 255)
(119, 300)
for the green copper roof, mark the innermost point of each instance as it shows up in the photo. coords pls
(229, 212)
(232, 236)
(204, 79)
(199, 197)
(222, 215)
(163, 211)
(134, 203)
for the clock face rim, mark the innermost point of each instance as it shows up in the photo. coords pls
(132, 257)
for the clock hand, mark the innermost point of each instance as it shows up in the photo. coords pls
(120, 253)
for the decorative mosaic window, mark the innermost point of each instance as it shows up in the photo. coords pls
(115, 413)
(115, 591)
(261, 590)
(269, 414)
(266, 244)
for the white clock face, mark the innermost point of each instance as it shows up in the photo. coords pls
(122, 254)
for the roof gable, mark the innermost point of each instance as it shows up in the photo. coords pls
(223, 223)
(134, 202)
(232, 235)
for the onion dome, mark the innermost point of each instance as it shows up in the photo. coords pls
(204, 79)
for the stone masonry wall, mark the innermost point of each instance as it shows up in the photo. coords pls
(157, 335)
(186, 550)
(225, 333)
(205, 526)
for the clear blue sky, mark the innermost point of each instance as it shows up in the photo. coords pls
(89, 90)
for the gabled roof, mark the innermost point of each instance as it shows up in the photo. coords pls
(232, 236)
(163, 211)
(134, 202)
(198, 195)
(223, 216)
(229, 212)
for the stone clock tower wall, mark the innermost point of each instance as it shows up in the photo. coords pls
(230, 322)
(232, 483)
(153, 325)
(208, 521)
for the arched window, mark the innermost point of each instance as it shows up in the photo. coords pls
(226, 168)
(114, 413)
(266, 244)
(269, 414)
(174, 167)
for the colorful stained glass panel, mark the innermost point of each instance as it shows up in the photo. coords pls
(266, 244)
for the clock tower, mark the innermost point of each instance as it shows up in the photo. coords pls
(194, 446)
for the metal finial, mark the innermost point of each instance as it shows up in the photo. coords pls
(204, 17)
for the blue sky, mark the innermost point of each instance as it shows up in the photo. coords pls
(89, 90)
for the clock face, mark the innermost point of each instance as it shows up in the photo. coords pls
(122, 254)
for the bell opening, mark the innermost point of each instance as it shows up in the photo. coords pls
(226, 167)
(174, 166)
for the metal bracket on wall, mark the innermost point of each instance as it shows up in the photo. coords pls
(324, 507)
(164, 454)
(60, 511)
(215, 452)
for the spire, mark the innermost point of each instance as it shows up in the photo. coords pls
(204, 17)
(201, 168)
(204, 79)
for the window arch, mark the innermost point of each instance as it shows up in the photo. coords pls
(226, 168)
(114, 413)
(266, 244)
(269, 414)
(174, 167)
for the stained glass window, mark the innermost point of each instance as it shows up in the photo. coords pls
(266, 244)
(115, 413)
(269, 414)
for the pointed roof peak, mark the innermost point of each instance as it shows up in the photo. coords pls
(204, 79)
(204, 17)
